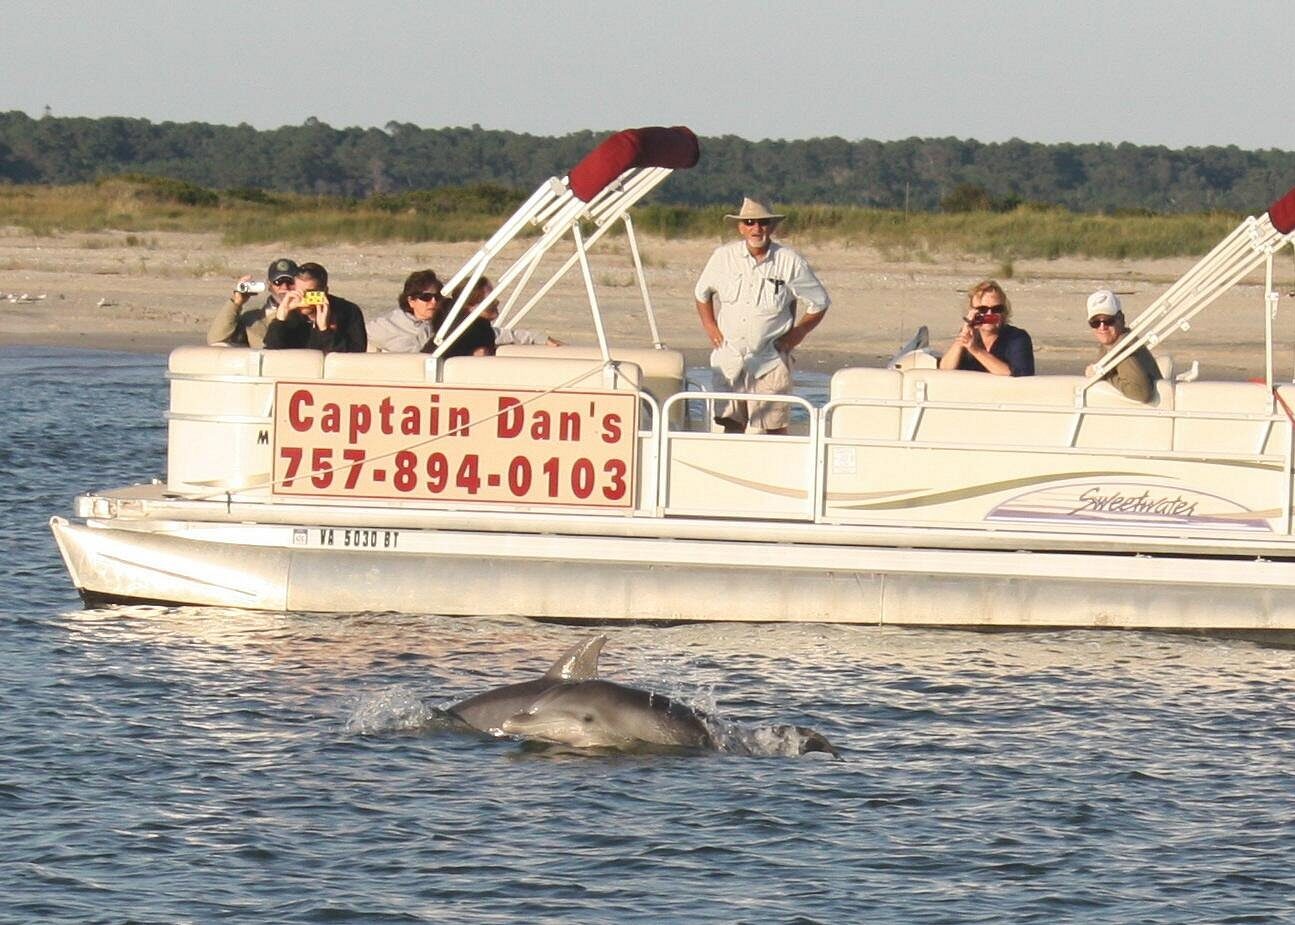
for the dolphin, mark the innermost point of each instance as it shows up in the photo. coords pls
(486, 712)
(602, 714)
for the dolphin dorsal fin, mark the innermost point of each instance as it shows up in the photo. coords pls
(578, 663)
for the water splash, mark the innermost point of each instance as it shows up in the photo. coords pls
(395, 710)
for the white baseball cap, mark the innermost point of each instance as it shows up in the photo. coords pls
(1103, 302)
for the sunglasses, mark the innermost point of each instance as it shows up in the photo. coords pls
(425, 297)
(283, 281)
(1096, 323)
(752, 222)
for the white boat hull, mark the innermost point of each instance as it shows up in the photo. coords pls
(642, 578)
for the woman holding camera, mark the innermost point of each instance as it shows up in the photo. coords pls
(311, 317)
(987, 343)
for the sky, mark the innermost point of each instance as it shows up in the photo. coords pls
(1143, 71)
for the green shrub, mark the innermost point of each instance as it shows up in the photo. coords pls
(162, 189)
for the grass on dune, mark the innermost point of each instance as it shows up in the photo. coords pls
(151, 204)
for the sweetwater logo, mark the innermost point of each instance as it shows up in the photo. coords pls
(1129, 504)
(1116, 502)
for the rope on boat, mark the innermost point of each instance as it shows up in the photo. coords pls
(228, 493)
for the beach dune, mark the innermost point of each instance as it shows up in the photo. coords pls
(151, 292)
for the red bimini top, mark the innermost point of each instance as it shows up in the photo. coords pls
(1282, 212)
(676, 148)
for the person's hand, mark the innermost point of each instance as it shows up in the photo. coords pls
(321, 315)
(716, 338)
(240, 298)
(291, 302)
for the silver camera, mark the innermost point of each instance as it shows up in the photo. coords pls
(250, 286)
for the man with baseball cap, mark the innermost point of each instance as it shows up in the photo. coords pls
(746, 298)
(1136, 375)
(238, 328)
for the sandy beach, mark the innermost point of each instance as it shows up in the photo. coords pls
(152, 291)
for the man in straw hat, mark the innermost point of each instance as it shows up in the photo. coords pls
(747, 297)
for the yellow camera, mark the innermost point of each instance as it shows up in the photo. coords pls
(314, 298)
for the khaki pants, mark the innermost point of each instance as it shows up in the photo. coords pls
(756, 417)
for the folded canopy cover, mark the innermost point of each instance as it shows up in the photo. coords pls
(635, 147)
(1282, 212)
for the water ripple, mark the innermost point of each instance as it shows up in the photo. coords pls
(162, 764)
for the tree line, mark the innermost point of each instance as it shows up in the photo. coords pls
(915, 174)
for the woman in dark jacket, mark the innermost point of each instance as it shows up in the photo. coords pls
(317, 322)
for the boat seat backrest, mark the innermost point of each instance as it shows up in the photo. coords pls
(1219, 435)
(537, 373)
(1137, 430)
(663, 370)
(234, 380)
(1034, 411)
(215, 361)
(292, 364)
(378, 367)
(865, 421)
(653, 362)
(990, 421)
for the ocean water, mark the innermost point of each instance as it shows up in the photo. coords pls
(162, 765)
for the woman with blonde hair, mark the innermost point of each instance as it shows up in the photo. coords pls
(986, 343)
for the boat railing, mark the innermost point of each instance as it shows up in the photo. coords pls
(1244, 455)
(760, 476)
(930, 447)
(1266, 424)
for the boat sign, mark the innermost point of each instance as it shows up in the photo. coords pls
(334, 440)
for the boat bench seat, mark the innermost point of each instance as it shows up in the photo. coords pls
(234, 380)
(1026, 411)
(537, 373)
(379, 367)
(201, 360)
(1218, 435)
(866, 422)
(663, 370)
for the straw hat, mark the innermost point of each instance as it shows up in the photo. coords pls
(754, 208)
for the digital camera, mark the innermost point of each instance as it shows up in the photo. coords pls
(986, 318)
(250, 285)
(314, 297)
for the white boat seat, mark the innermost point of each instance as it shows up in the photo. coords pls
(292, 364)
(989, 422)
(197, 374)
(865, 421)
(536, 373)
(215, 361)
(1224, 436)
(663, 370)
(1137, 430)
(1014, 411)
(378, 367)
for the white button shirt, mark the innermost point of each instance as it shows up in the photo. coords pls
(754, 303)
